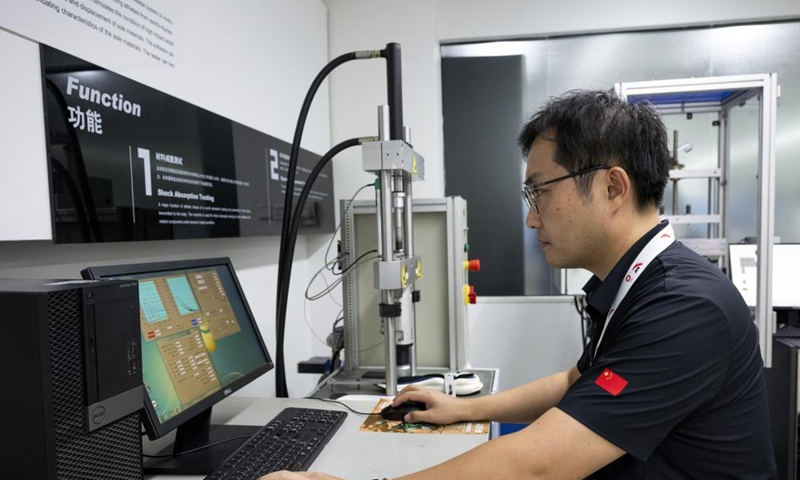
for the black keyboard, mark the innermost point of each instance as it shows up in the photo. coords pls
(785, 330)
(290, 441)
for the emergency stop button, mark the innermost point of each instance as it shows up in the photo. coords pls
(472, 265)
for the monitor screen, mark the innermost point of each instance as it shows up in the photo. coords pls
(743, 270)
(785, 269)
(200, 341)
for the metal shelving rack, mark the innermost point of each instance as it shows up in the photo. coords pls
(721, 94)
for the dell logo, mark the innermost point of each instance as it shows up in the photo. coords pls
(98, 415)
(227, 391)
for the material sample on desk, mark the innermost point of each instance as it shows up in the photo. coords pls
(376, 423)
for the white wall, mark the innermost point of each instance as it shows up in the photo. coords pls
(420, 26)
(24, 191)
(358, 88)
(251, 61)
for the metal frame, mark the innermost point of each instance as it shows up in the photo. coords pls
(459, 325)
(765, 88)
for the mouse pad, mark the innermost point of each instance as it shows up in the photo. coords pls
(376, 423)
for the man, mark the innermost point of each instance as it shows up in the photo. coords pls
(671, 385)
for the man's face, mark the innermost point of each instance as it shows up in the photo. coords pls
(568, 224)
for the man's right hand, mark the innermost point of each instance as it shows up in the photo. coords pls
(442, 409)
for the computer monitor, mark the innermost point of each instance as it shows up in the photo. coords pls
(785, 272)
(743, 270)
(200, 343)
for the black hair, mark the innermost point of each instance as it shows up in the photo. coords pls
(593, 128)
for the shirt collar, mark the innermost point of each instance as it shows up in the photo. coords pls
(600, 294)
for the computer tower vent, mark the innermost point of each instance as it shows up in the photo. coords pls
(112, 452)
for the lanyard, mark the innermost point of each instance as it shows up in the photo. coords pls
(656, 245)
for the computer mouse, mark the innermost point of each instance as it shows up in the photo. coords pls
(399, 412)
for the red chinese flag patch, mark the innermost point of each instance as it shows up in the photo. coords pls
(611, 382)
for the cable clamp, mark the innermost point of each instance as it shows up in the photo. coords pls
(367, 54)
(389, 311)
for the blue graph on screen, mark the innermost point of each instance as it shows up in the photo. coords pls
(182, 293)
(150, 303)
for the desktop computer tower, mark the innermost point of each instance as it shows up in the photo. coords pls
(72, 383)
(782, 393)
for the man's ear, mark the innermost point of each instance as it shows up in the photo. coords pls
(619, 188)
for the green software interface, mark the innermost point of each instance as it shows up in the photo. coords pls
(197, 336)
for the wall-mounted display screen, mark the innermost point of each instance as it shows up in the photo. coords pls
(130, 163)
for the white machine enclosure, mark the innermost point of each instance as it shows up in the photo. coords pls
(441, 241)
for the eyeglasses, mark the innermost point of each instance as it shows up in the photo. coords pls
(531, 193)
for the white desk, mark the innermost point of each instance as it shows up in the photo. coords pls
(351, 453)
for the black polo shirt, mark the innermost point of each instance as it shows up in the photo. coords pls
(678, 380)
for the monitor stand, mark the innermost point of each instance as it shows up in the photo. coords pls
(196, 433)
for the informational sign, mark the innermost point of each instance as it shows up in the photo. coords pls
(128, 162)
(146, 28)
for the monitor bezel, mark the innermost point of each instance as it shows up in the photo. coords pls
(154, 428)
